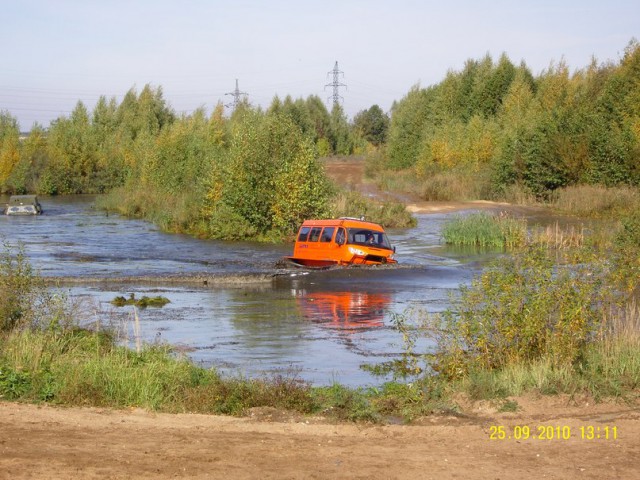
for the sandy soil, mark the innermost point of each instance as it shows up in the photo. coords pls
(41, 442)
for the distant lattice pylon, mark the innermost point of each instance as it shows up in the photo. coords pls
(336, 97)
(236, 94)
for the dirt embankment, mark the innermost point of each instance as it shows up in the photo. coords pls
(62, 443)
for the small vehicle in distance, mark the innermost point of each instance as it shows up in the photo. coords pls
(342, 241)
(23, 205)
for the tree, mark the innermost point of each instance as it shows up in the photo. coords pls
(372, 125)
(218, 126)
(9, 144)
(340, 139)
(145, 114)
(320, 117)
(268, 182)
(410, 116)
(492, 86)
(33, 160)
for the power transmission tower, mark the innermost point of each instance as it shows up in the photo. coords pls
(236, 94)
(336, 97)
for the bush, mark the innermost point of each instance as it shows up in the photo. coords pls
(19, 289)
(626, 254)
(524, 309)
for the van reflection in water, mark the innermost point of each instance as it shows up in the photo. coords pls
(343, 310)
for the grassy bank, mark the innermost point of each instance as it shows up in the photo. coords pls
(85, 368)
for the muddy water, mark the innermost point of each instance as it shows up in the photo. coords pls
(321, 326)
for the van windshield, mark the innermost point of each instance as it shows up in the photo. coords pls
(363, 236)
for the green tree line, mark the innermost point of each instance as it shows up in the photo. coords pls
(253, 174)
(95, 151)
(496, 121)
(493, 123)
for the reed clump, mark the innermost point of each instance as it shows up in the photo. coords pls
(485, 230)
(558, 237)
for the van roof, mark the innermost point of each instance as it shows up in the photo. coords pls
(343, 222)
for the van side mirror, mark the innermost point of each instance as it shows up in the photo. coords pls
(340, 241)
(394, 249)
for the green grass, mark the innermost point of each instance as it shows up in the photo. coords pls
(82, 367)
(610, 369)
(485, 230)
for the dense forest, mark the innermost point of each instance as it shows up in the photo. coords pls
(486, 131)
(494, 125)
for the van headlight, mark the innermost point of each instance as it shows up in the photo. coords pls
(357, 251)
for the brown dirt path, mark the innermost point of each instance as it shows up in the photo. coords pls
(87, 443)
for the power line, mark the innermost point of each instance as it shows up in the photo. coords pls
(336, 97)
(236, 94)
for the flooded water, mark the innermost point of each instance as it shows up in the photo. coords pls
(320, 326)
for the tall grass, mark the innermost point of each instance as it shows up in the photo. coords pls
(596, 201)
(454, 185)
(439, 186)
(557, 237)
(503, 231)
(485, 230)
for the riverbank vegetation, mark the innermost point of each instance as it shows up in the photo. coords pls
(493, 130)
(537, 320)
(485, 230)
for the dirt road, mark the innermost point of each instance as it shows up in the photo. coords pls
(62, 443)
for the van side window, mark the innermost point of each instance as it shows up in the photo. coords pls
(315, 234)
(304, 234)
(327, 234)
(340, 236)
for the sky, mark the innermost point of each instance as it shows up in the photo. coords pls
(57, 52)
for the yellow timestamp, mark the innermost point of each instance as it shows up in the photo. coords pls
(553, 432)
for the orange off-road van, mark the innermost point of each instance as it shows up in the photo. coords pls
(344, 241)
